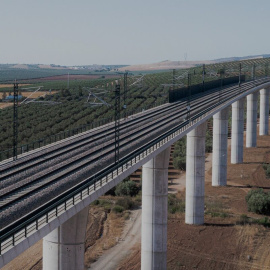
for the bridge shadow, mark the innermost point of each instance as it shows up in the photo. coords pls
(247, 163)
(172, 189)
(248, 186)
(219, 225)
(173, 184)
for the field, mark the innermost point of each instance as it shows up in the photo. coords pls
(11, 85)
(34, 95)
(5, 104)
(74, 77)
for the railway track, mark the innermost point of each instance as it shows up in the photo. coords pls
(33, 180)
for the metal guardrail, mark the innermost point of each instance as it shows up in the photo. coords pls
(24, 228)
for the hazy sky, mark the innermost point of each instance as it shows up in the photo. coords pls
(78, 32)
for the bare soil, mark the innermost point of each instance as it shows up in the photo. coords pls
(11, 85)
(220, 243)
(73, 77)
(166, 65)
(26, 94)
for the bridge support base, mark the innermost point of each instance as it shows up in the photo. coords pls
(195, 174)
(251, 133)
(237, 141)
(220, 138)
(264, 111)
(64, 248)
(154, 212)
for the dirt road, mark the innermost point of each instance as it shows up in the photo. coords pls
(131, 235)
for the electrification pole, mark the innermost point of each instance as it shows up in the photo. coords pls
(240, 69)
(203, 74)
(117, 109)
(173, 74)
(15, 120)
(125, 90)
(189, 97)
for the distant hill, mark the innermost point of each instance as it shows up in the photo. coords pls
(167, 64)
(220, 60)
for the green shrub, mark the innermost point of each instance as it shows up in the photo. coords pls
(138, 197)
(127, 188)
(258, 201)
(179, 163)
(96, 202)
(118, 209)
(266, 167)
(208, 142)
(125, 202)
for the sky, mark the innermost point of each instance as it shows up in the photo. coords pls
(86, 32)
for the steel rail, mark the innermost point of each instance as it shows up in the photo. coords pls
(17, 189)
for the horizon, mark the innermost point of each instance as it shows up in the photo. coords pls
(168, 60)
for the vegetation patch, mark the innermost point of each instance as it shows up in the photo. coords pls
(266, 167)
(127, 188)
(176, 203)
(215, 208)
(258, 201)
(245, 220)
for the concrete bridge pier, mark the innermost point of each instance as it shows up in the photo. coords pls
(195, 171)
(63, 248)
(264, 111)
(220, 138)
(251, 132)
(237, 141)
(154, 212)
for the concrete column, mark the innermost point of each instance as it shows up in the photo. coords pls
(237, 141)
(251, 132)
(195, 171)
(220, 138)
(63, 248)
(154, 212)
(264, 111)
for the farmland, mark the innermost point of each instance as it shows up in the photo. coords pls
(37, 121)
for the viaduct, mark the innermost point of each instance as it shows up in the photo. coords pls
(62, 224)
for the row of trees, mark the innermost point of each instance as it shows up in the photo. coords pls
(38, 121)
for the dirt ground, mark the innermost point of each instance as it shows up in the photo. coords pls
(221, 243)
(73, 77)
(11, 85)
(25, 94)
(33, 95)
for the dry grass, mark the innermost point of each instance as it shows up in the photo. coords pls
(112, 230)
(34, 95)
(11, 85)
(26, 94)
(4, 105)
